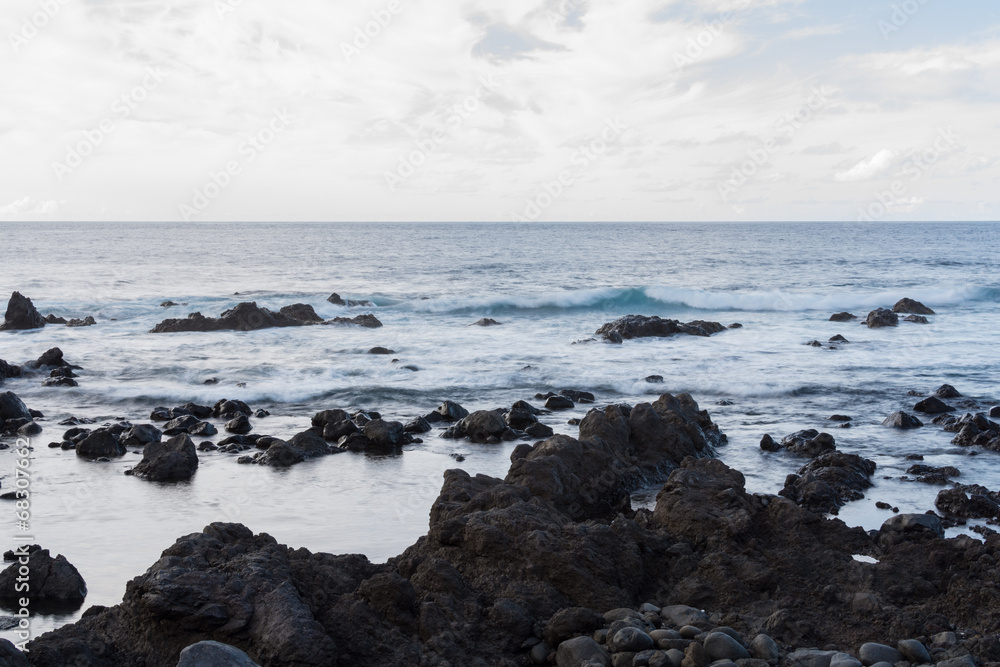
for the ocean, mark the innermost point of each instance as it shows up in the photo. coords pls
(550, 285)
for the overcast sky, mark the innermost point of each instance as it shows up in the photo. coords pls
(476, 110)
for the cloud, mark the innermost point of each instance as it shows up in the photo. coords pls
(28, 209)
(867, 169)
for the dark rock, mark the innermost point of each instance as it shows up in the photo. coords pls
(60, 382)
(182, 424)
(62, 372)
(882, 317)
(839, 418)
(484, 426)
(809, 442)
(383, 434)
(830, 481)
(302, 313)
(971, 501)
(735, 325)
(8, 371)
(721, 646)
(21, 314)
(53, 319)
(916, 319)
(239, 425)
(902, 420)
(486, 322)
(933, 406)
(160, 415)
(52, 358)
(579, 650)
(168, 304)
(199, 411)
(141, 435)
(51, 579)
(975, 431)
(539, 430)
(843, 317)
(418, 425)
(994, 412)
(381, 350)
(908, 524)
(578, 396)
(99, 444)
(321, 419)
(839, 339)
(12, 407)
(203, 429)
(520, 419)
(947, 391)
(814, 343)
(559, 403)
(350, 303)
(911, 306)
(247, 316)
(335, 431)
(88, 321)
(367, 321)
(451, 412)
(872, 653)
(654, 379)
(768, 444)
(641, 326)
(214, 654)
(29, 430)
(571, 622)
(171, 461)
(630, 639)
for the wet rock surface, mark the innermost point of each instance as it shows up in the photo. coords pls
(247, 316)
(641, 326)
(551, 565)
(882, 317)
(21, 314)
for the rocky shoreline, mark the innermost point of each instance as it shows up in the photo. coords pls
(552, 565)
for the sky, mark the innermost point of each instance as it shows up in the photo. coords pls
(499, 110)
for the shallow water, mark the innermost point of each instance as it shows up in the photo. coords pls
(550, 285)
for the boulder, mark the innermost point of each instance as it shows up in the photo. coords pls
(12, 407)
(239, 425)
(947, 391)
(10, 656)
(641, 326)
(180, 424)
(214, 654)
(99, 444)
(368, 321)
(88, 321)
(247, 316)
(21, 314)
(829, 481)
(916, 319)
(882, 317)
(571, 622)
(933, 406)
(302, 313)
(809, 442)
(914, 652)
(52, 358)
(872, 653)
(912, 307)
(171, 461)
(381, 350)
(969, 501)
(486, 322)
(928, 524)
(721, 646)
(51, 579)
(384, 435)
(8, 371)
(484, 426)
(559, 403)
(451, 412)
(575, 652)
(902, 420)
(60, 382)
(843, 317)
(336, 300)
(141, 435)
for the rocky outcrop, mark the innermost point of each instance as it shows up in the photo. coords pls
(830, 481)
(553, 553)
(882, 317)
(902, 420)
(368, 321)
(909, 306)
(933, 406)
(247, 316)
(21, 314)
(843, 317)
(175, 460)
(975, 431)
(102, 443)
(486, 322)
(809, 442)
(336, 300)
(12, 407)
(642, 326)
(8, 371)
(969, 501)
(50, 580)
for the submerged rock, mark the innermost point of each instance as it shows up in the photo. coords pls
(912, 307)
(882, 317)
(367, 321)
(902, 420)
(247, 316)
(486, 322)
(350, 303)
(843, 317)
(641, 326)
(21, 314)
(933, 406)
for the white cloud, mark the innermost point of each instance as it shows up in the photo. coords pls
(814, 31)
(869, 168)
(28, 209)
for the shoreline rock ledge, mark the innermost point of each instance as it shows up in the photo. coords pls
(552, 562)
